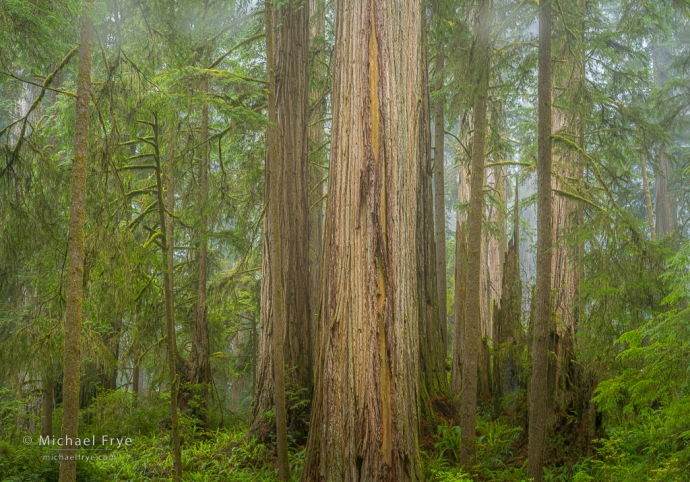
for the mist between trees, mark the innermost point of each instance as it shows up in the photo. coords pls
(330, 240)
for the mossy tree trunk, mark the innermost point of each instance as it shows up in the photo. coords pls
(201, 350)
(538, 406)
(75, 255)
(472, 342)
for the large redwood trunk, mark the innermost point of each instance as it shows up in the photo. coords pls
(287, 178)
(364, 416)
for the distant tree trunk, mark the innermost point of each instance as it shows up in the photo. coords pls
(440, 199)
(136, 381)
(460, 288)
(538, 411)
(167, 240)
(317, 9)
(432, 350)
(285, 280)
(48, 402)
(665, 202)
(507, 326)
(460, 298)
(238, 389)
(472, 337)
(364, 422)
(75, 255)
(201, 351)
(567, 122)
(666, 208)
(647, 196)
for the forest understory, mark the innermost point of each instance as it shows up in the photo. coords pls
(345, 240)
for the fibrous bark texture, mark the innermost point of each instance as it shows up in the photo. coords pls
(440, 200)
(317, 86)
(75, 257)
(459, 291)
(507, 327)
(364, 422)
(538, 408)
(287, 179)
(432, 352)
(472, 342)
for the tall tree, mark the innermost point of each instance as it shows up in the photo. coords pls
(432, 348)
(439, 189)
(75, 255)
(472, 334)
(201, 351)
(364, 413)
(165, 220)
(538, 406)
(286, 222)
(318, 87)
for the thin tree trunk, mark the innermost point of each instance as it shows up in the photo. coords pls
(75, 256)
(318, 75)
(538, 412)
(136, 377)
(286, 224)
(167, 240)
(201, 351)
(472, 342)
(364, 422)
(647, 196)
(440, 200)
(460, 288)
(48, 402)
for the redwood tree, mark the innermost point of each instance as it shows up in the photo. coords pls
(364, 413)
(286, 220)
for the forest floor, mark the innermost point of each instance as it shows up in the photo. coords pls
(229, 454)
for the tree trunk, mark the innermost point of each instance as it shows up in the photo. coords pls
(647, 196)
(432, 351)
(166, 228)
(286, 227)
(440, 200)
(364, 422)
(538, 410)
(666, 208)
(75, 255)
(201, 351)
(48, 402)
(238, 388)
(136, 381)
(472, 343)
(507, 326)
(317, 158)
(460, 288)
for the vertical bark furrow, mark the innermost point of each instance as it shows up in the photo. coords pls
(364, 414)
